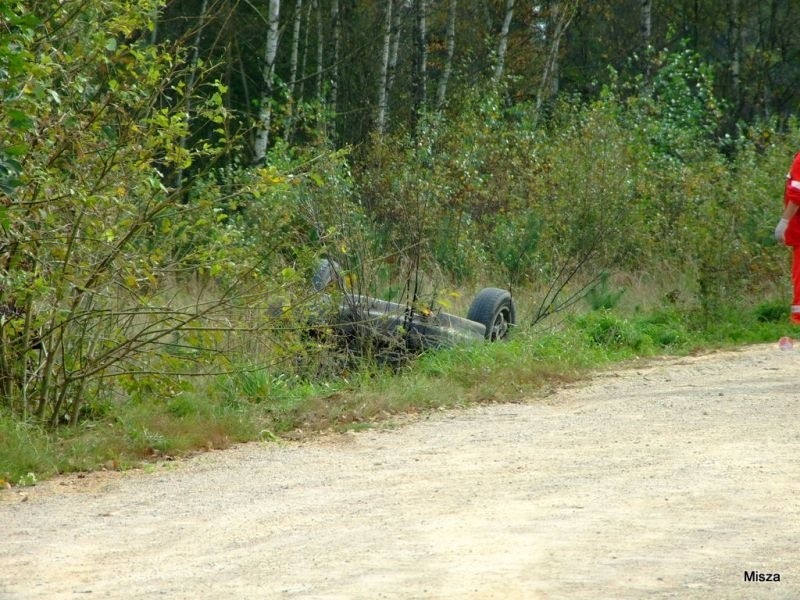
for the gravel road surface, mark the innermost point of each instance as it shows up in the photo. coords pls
(668, 480)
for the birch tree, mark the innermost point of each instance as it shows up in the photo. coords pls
(450, 44)
(293, 60)
(268, 76)
(384, 69)
(646, 22)
(420, 77)
(293, 66)
(502, 44)
(646, 29)
(561, 15)
(393, 52)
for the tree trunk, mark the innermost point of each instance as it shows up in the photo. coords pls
(502, 44)
(450, 43)
(242, 73)
(646, 22)
(304, 60)
(396, 26)
(646, 31)
(383, 92)
(298, 15)
(267, 74)
(293, 61)
(420, 83)
(154, 32)
(320, 51)
(736, 54)
(561, 15)
(337, 35)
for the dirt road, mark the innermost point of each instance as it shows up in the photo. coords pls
(665, 481)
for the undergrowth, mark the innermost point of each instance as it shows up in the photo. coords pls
(257, 405)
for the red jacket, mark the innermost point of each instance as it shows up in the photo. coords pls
(792, 194)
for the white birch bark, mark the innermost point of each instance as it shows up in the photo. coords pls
(646, 23)
(450, 44)
(396, 25)
(646, 32)
(561, 16)
(293, 62)
(267, 73)
(383, 92)
(502, 44)
(293, 59)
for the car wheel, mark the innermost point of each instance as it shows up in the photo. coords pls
(494, 308)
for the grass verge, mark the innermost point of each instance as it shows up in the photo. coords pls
(256, 405)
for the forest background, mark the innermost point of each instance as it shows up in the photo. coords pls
(171, 172)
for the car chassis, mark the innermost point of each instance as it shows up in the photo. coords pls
(490, 317)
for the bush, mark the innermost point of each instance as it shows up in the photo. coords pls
(773, 311)
(606, 329)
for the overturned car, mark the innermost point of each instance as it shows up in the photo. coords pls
(490, 317)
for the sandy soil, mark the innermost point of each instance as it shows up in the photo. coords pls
(662, 481)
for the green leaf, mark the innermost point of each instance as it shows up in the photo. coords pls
(19, 119)
(5, 221)
(15, 149)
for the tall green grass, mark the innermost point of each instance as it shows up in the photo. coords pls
(258, 405)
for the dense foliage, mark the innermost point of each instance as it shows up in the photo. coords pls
(142, 244)
(327, 73)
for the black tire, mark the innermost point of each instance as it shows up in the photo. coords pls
(494, 309)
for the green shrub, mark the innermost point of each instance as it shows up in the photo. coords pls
(24, 448)
(601, 296)
(666, 328)
(773, 311)
(609, 330)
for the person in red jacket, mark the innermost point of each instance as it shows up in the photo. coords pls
(788, 230)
